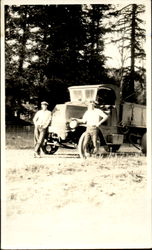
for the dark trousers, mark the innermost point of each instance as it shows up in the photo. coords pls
(91, 134)
(39, 135)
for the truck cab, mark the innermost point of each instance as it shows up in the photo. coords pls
(65, 129)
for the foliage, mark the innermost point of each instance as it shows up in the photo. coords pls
(51, 47)
(129, 27)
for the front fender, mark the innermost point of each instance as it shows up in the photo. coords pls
(60, 131)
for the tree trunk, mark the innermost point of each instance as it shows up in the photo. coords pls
(23, 44)
(134, 7)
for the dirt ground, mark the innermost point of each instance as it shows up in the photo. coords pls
(62, 201)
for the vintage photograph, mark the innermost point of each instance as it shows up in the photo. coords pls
(76, 164)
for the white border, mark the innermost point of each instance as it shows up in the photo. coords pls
(149, 91)
(3, 152)
(149, 115)
(43, 2)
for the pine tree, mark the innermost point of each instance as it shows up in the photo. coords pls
(94, 50)
(51, 47)
(131, 36)
(16, 37)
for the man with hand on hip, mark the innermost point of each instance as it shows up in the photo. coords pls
(41, 121)
(93, 118)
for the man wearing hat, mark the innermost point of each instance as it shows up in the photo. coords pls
(41, 121)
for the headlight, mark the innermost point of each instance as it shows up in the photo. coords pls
(73, 124)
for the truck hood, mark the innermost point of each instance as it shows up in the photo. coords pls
(62, 114)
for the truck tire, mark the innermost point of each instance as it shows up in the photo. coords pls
(49, 149)
(81, 150)
(144, 144)
(112, 148)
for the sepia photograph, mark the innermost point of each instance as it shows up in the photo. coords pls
(76, 124)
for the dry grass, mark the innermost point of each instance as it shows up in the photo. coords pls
(20, 140)
(59, 183)
(62, 201)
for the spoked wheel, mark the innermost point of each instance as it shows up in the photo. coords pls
(84, 153)
(111, 148)
(49, 148)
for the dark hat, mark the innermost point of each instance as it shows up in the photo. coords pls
(44, 103)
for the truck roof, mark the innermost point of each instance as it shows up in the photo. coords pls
(97, 86)
(107, 86)
(85, 86)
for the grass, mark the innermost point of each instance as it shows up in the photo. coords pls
(19, 140)
(25, 140)
(59, 182)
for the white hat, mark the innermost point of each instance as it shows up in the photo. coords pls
(44, 103)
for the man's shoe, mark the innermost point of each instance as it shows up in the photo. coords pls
(95, 151)
(36, 155)
(87, 155)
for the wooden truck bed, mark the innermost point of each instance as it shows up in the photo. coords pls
(134, 115)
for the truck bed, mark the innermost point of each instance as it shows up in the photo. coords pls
(134, 115)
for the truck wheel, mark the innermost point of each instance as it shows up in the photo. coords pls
(112, 148)
(144, 144)
(49, 149)
(90, 147)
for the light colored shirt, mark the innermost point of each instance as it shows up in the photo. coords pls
(42, 118)
(93, 117)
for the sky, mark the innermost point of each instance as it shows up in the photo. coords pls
(112, 50)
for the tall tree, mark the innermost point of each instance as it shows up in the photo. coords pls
(50, 47)
(94, 49)
(16, 37)
(129, 27)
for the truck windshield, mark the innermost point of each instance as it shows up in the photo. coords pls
(76, 95)
(90, 94)
(83, 94)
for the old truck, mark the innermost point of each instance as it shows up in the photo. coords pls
(126, 121)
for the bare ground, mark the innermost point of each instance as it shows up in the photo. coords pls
(62, 201)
